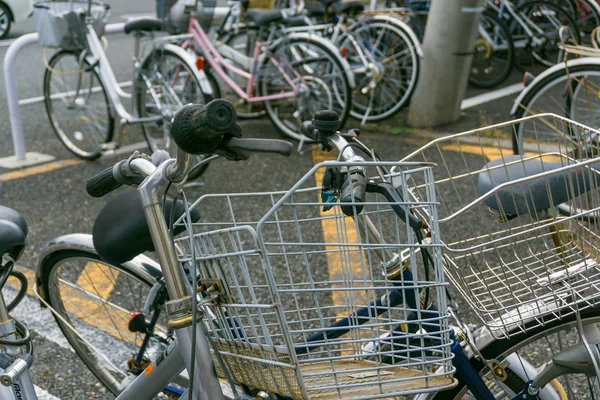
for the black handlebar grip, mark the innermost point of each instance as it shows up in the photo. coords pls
(353, 194)
(308, 130)
(102, 183)
(199, 129)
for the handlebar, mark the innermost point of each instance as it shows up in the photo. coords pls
(196, 129)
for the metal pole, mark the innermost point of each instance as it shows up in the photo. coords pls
(12, 93)
(448, 50)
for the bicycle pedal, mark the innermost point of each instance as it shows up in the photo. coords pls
(109, 147)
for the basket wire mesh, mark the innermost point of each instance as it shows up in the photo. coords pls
(299, 303)
(526, 252)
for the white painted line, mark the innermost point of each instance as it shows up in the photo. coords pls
(6, 43)
(491, 96)
(138, 15)
(43, 395)
(39, 99)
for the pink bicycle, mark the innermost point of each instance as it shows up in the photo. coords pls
(292, 75)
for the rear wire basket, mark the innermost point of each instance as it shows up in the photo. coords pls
(519, 254)
(61, 24)
(282, 270)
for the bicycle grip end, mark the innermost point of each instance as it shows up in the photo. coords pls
(199, 129)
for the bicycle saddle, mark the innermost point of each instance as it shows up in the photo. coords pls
(143, 24)
(264, 18)
(537, 194)
(120, 231)
(13, 233)
(352, 7)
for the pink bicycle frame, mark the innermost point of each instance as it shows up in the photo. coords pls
(215, 60)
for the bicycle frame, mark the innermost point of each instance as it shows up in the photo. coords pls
(215, 59)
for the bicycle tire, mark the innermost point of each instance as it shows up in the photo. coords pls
(560, 105)
(154, 67)
(269, 78)
(92, 326)
(485, 51)
(76, 115)
(536, 62)
(504, 347)
(408, 67)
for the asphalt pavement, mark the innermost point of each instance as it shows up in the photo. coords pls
(53, 200)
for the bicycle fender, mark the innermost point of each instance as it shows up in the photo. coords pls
(403, 26)
(142, 265)
(191, 61)
(536, 81)
(333, 49)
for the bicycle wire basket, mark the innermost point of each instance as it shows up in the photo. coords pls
(61, 24)
(526, 252)
(302, 307)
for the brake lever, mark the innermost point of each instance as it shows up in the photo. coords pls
(391, 194)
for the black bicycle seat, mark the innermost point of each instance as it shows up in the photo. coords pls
(120, 231)
(537, 194)
(264, 18)
(13, 233)
(352, 7)
(143, 24)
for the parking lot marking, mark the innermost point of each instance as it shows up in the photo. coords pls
(491, 96)
(338, 262)
(38, 169)
(98, 278)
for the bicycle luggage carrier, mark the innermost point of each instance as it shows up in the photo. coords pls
(526, 252)
(303, 301)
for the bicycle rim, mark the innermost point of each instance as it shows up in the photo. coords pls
(77, 105)
(320, 80)
(97, 299)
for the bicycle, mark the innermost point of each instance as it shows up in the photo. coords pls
(83, 99)
(292, 76)
(383, 51)
(523, 33)
(228, 257)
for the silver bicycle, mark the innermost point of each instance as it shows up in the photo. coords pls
(85, 102)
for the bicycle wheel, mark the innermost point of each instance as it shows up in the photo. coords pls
(313, 79)
(77, 105)
(571, 93)
(535, 347)
(97, 299)
(393, 68)
(535, 54)
(243, 41)
(494, 55)
(168, 82)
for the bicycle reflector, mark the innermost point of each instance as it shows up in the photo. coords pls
(344, 51)
(200, 63)
(137, 322)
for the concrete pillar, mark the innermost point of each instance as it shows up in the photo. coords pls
(448, 49)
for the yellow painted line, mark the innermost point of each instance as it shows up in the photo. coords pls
(98, 279)
(337, 262)
(38, 169)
